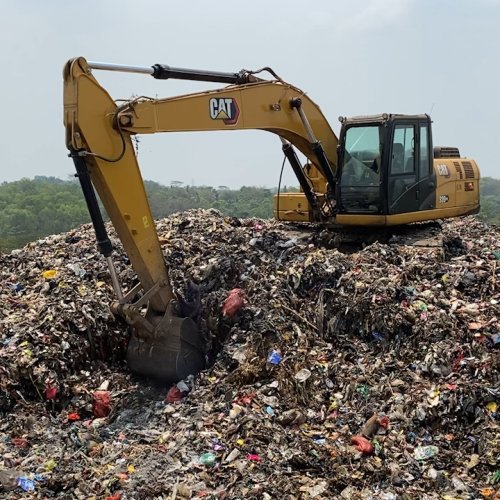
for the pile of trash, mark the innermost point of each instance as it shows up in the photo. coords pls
(369, 374)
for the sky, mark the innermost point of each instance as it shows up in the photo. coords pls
(351, 57)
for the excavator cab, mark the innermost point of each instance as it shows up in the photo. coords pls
(385, 165)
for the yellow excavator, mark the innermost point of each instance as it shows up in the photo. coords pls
(382, 171)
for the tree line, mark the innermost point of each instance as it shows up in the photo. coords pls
(33, 208)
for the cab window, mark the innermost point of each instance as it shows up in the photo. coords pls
(361, 165)
(403, 150)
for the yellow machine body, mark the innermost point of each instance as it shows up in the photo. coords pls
(457, 194)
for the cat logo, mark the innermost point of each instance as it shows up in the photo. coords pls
(225, 109)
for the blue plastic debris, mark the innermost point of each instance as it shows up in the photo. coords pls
(274, 357)
(25, 483)
(270, 410)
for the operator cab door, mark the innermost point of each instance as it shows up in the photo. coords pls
(411, 183)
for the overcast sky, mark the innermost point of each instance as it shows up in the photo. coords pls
(352, 57)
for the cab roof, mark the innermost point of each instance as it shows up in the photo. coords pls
(381, 118)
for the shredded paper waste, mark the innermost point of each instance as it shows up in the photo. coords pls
(365, 374)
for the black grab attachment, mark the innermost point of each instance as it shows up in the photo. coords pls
(103, 242)
(164, 72)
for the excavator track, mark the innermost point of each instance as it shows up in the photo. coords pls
(426, 236)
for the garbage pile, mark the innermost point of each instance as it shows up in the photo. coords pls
(371, 374)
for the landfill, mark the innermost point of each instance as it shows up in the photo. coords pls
(371, 373)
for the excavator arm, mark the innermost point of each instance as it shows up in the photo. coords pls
(98, 136)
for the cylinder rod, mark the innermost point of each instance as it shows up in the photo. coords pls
(164, 72)
(147, 70)
(316, 146)
(299, 173)
(114, 279)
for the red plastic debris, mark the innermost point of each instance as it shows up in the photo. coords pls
(101, 404)
(174, 395)
(363, 445)
(72, 417)
(20, 442)
(457, 362)
(383, 422)
(234, 302)
(50, 392)
(117, 496)
(246, 399)
(253, 458)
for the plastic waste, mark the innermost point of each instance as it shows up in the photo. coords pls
(77, 269)
(425, 452)
(50, 465)
(182, 386)
(492, 407)
(174, 395)
(234, 302)
(101, 404)
(270, 410)
(207, 459)
(20, 442)
(26, 484)
(49, 274)
(363, 445)
(16, 287)
(363, 389)
(232, 456)
(50, 392)
(235, 411)
(287, 244)
(302, 375)
(274, 357)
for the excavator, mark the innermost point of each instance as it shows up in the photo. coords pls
(381, 171)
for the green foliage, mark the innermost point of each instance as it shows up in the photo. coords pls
(490, 200)
(33, 208)
(244, 202)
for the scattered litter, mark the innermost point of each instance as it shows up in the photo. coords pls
(425, 452)
(274, 357)
(369, 374)
(207, 459)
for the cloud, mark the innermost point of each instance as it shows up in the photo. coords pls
(380, 13)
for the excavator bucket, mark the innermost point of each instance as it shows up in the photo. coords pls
(170, 353)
